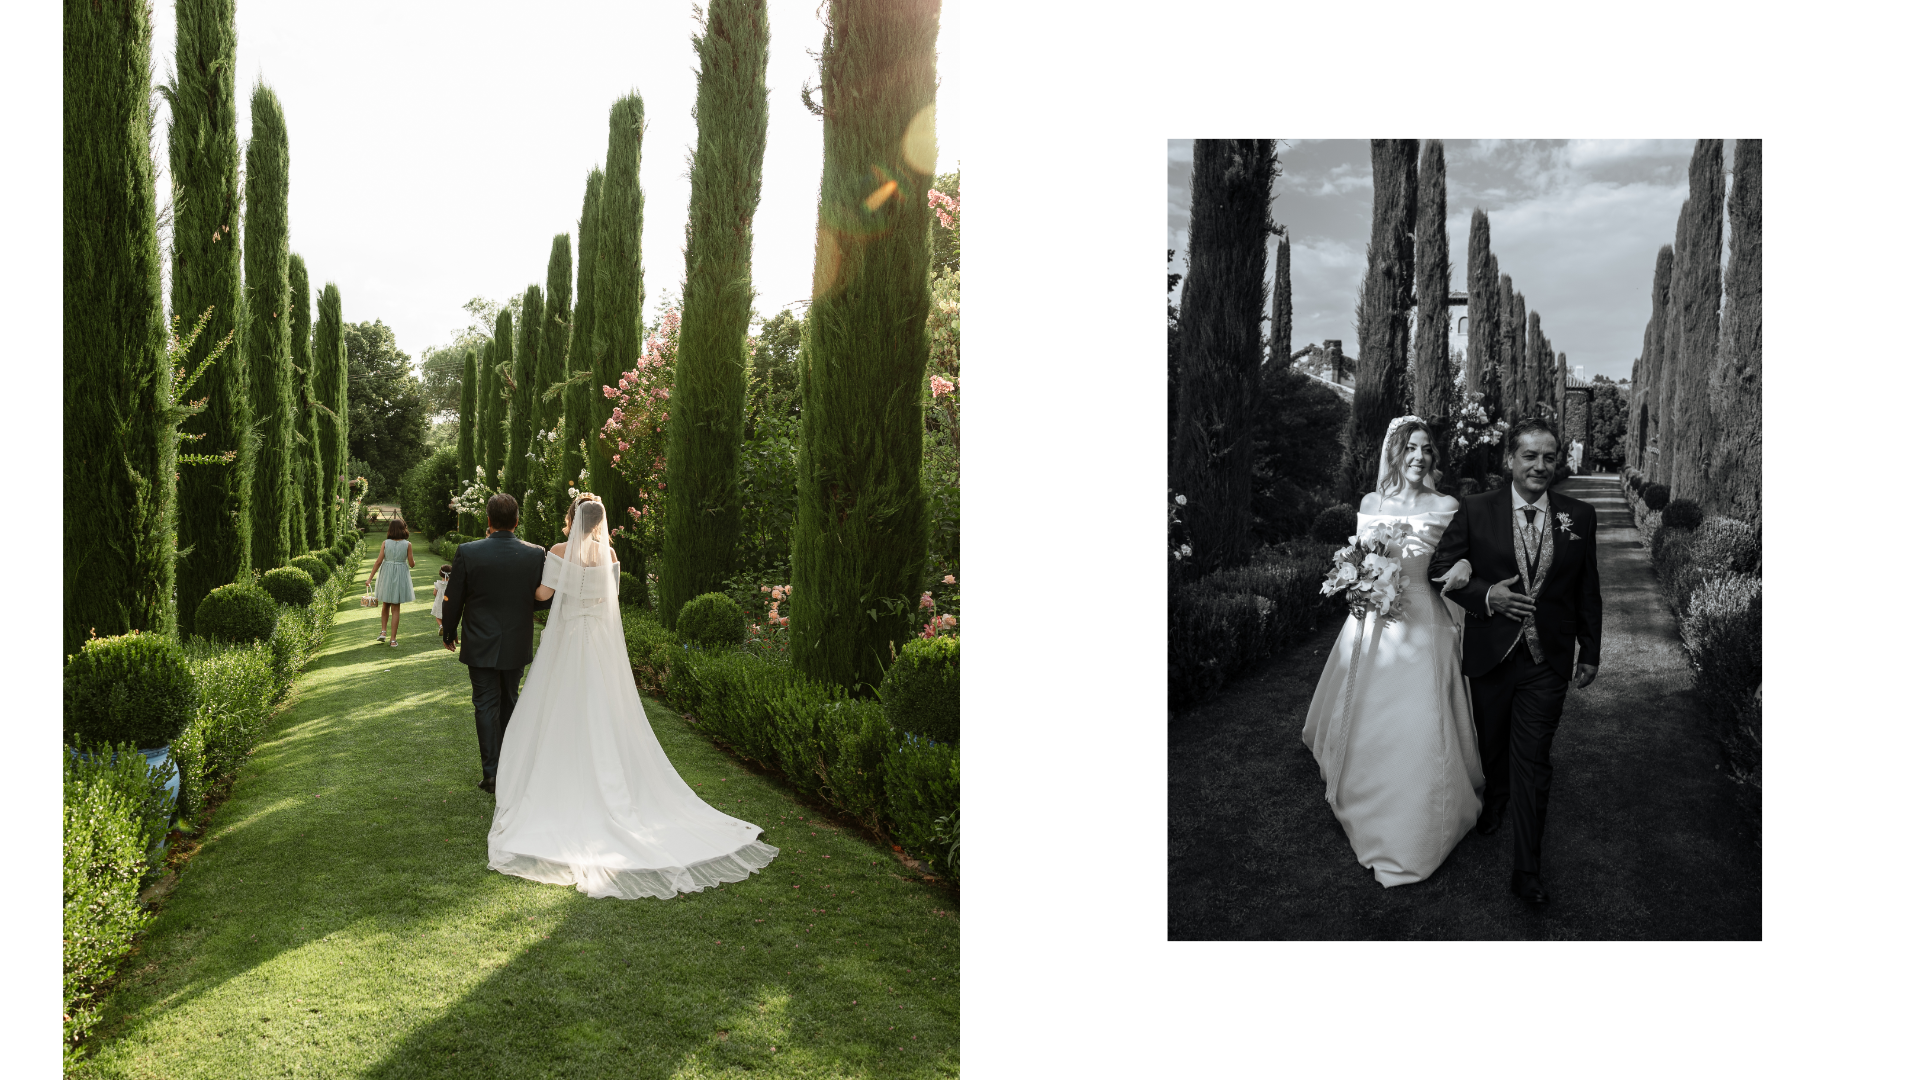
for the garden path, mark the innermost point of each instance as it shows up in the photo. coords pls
(1647, 837)
(340, 919)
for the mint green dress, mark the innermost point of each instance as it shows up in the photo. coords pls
(395, 584)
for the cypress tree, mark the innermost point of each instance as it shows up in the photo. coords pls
(1646, 390)
(1281, 350)
(464, 448)
(1380, 379)
(311, 490)
(1735, 396)
(1433, 370)
(118, 431)
(499, 369)
(709, 378)
(1530, 377)
(269, 357)
(549, 404)
(1700, 322)
(1560, 389)
(525, 370)
(582, 388)
(1510, 350)
(1667, 423)
(1520, 402)
(619, 294)
(214, 521)
(330, 387)
(860, 526)
(1483, 288)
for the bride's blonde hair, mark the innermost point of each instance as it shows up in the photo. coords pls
(1393, 452)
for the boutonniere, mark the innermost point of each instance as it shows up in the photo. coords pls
(1566, 525)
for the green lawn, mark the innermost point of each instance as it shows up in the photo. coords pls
(340, 919)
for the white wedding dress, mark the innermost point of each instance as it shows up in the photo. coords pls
(584, 794)
(1393, 733)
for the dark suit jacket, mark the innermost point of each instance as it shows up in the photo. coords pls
(492, 590)
(1566, 605)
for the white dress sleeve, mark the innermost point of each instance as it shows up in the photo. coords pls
(551, 572)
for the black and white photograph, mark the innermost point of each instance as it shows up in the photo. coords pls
(1463, 539)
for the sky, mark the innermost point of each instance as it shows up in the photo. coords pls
(1576, 224)
(437, 148)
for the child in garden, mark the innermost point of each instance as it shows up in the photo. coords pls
(396, 585)
(440, 590)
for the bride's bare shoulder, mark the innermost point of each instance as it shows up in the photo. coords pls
(1370, 503)
(559, 548)
(1446, 504)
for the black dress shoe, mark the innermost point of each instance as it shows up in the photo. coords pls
(1527, 887)
(486, 785)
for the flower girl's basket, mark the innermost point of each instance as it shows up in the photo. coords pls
(366, 598)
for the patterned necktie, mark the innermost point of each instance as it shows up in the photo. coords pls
(1537, 556)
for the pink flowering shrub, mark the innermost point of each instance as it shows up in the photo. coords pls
(769, 638)
(636, 434)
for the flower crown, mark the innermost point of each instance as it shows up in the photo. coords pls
(1398, 421)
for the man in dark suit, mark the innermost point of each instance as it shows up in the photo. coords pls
(1523, 645)
(491, 588)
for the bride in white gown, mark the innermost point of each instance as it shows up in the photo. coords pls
(585, 796)
(1398, 755)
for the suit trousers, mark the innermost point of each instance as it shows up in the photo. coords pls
(1516, 710)
(495, 692)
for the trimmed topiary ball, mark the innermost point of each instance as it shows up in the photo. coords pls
(316, 568)
(1335, 524)
(1682, 514)
(237, 612)
(712, 619)
(327, 556)
(133, 688)
(921, 692)
(1722, 543)
(288, 585)
(1656, 496)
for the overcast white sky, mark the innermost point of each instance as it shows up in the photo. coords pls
(1575, 223)
(438, 147)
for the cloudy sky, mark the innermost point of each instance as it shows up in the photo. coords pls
(1576, 224)
(437, 148)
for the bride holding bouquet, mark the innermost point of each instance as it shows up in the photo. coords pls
(1390, 724)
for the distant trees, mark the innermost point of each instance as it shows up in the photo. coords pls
(523, 372)
(1483, 294)
(1280, 351)
(1646, 384)
(386, 406)
(583, 385)
(495, 391)
(310, 477)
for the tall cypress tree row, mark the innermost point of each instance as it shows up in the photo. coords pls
(860, 527)
(1735, 398)
(709, 375)
(269, 359)
(1530, 377)
(1522, 402)
(311, 491)
(1700, 322)
(619, 293)
(494, 430)
(214, 522)
(464, 447)
(1380, 379)
(1433, 369)
(1560, 390)
(118, 431)
(580, 395)
(330, 389)
(525, 370)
